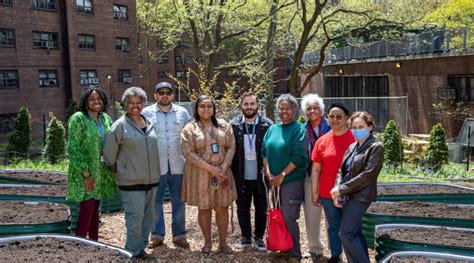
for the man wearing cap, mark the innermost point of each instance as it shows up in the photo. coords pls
(169, 119)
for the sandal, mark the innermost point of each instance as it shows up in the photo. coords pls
(225, 249)
(206, 249)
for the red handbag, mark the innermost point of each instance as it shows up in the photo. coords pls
(278, 237)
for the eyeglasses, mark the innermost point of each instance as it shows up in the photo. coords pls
(163, 93)
(337, 117)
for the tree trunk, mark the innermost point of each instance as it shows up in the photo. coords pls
(270, 56)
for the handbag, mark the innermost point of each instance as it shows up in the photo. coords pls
(278, 237)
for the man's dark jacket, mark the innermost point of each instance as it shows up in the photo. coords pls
(238, 163)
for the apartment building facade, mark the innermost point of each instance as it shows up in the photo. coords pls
(51, 49)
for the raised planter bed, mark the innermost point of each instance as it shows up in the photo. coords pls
(33, 217)
(414, 212)
(413, 237)
(58, 248)
(28, 176)
(425, 257)
(425, 192)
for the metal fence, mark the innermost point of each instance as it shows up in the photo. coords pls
(412, 44)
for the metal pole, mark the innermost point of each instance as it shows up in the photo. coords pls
(44, 129)
(468, 148)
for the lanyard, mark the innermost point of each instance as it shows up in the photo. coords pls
(252, 135)
(101, 130)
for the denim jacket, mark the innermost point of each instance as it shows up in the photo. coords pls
(168, 127)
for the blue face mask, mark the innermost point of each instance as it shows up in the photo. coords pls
(360, 134)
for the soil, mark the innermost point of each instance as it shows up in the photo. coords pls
(42, 190)
(112, 231)
(422, 209)
(40, 176)
(419, 259)
(32, 213)
(421, 189)
(55, 250)
(434, 236)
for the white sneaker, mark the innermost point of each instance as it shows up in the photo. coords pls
(243, 243)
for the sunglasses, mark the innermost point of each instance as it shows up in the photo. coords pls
(163, 93)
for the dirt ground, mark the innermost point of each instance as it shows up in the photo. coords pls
(435, 236)
(112, 231)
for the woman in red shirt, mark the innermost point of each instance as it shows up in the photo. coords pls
(327, 158)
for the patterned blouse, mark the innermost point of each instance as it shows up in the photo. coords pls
(196, 143)
(84, 149)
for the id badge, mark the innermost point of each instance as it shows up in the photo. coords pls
(215, 148)
(251, 157)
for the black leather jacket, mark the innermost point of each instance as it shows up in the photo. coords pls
(238, 163)
(361, 184)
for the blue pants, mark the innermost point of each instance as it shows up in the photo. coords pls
(333, 222)
(139, 217)
(178, 208)
(353, 241)
(291, 198)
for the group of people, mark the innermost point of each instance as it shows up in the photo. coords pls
(328, 164)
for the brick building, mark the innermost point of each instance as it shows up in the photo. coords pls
(51, 49)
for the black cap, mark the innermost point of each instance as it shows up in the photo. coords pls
(340, 106)
(163, 85)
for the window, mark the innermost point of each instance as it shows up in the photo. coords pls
(7, 37)
(124, 76)
(162, 74)
(43, 4)
(48, 78)
(89, 77)
(8, 79)
(5, 2)
(162, 60)
(45, 40)
(461, 87)
(122, 44)
(87, 42)
(84, 6)
(356, 86)
(120, 12)
(180, 74)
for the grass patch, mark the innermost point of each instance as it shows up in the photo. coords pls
(413, 173)
(38, 164)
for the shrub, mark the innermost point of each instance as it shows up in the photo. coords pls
(55, 149)
(392, 143)
(20, 139)
(437, 151)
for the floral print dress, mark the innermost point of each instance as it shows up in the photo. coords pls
(84, 149)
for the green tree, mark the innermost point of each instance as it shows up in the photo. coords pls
(392, 143)
(20, 139)
(55, 149)
(437, 151)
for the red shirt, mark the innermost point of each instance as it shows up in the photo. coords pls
(329, 151)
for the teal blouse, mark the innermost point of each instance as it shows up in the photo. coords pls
(84, 149)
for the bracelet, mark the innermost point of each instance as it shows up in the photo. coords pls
(283, 173)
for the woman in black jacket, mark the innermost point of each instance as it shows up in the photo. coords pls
(356, 185)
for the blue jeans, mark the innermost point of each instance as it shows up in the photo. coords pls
(139, 216)
(333, 222)
(353, 241)
(178, 208)
(291, 198)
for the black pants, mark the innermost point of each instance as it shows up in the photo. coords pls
(244, 200)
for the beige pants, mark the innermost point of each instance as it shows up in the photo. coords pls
(312, 215)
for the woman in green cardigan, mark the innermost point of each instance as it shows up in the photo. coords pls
(89, 180)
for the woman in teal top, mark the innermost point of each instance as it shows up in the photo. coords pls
(285, 163)
(89, 180)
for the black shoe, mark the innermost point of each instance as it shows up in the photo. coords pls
(335, 260)
(145, 256)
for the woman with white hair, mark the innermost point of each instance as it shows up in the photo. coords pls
(316, 126)
(131, 149)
